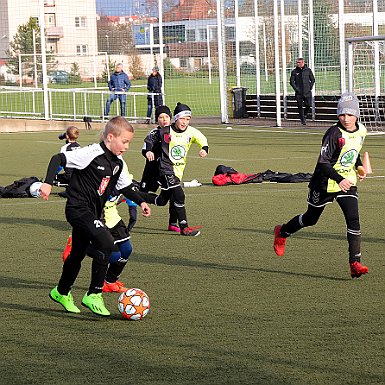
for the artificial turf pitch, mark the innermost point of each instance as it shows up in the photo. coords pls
(224, 308)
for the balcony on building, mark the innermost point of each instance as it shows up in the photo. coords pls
(54, 32)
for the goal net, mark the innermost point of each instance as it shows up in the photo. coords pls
(366, 78)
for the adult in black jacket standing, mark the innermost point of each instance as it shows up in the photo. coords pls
(302, 80)
(154, 85)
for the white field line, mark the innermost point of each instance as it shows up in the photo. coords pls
(264, 130)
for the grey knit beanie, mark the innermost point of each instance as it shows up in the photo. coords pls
(348, 104)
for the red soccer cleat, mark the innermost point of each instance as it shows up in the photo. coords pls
(356, 269)
(190, 231)
(279, 242)
(114, 287)
(67, 249)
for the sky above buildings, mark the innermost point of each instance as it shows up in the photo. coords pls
(121, 7)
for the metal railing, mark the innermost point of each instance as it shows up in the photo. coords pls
(70, 104)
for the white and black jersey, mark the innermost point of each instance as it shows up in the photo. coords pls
(70, 146)
(97, 171)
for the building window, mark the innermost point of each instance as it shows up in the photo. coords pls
(50, 19)
(190, 35)
(230, 33)
(202, 34)
(81, 49)
(213, 34)
(183, 63)
(171, 34)
(80, 21)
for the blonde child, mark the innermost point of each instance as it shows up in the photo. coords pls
(97, 171)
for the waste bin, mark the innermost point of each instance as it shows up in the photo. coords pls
(239, 102)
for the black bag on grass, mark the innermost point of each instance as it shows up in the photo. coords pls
(19, 188)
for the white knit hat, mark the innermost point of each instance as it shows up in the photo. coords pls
(348, 104)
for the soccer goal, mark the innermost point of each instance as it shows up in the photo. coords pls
(366, 78)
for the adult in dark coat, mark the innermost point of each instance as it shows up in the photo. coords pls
(302, 80)
(154, 85)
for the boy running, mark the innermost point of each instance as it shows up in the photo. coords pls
(174, 143)
(150, 175)
(97, 171)
(335, 178)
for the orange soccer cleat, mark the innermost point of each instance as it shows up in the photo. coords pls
(114, 287)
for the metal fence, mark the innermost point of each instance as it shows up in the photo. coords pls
(203, 49)
(69, 104)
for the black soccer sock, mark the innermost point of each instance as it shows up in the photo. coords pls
(181, 215)
(354, 241)
(173, 219)
(98, 272)
(291, 227)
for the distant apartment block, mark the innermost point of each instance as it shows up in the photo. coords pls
(70, 24)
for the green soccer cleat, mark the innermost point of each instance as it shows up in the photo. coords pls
(95, 303)
(66, 301)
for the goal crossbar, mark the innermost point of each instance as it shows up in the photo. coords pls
(364, 38)
(364, 76)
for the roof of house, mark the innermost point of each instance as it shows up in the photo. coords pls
(190, 10)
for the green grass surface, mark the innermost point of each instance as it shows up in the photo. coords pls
(224, 308)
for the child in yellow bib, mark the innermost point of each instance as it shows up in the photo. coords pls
(335, 178)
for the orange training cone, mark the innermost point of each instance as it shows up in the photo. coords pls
(366, 163)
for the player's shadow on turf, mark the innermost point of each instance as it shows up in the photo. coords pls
(306, 234)
(17, 283)
(51, 223)
(151, 230)
(21, 283)
(206, 265)
(85, 315)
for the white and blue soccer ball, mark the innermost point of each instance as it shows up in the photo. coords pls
(34, 189)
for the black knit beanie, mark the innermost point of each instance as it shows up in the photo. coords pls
(181, 110)
(162, 110)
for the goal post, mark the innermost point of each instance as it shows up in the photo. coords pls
(366, 77)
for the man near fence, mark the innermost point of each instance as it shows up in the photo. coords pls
(119, 82)
(302, 80)
(154, 85)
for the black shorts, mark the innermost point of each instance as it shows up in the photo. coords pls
(321, 198)
(169, 181)
(120, 232)
(150, 177)
(89, 228)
